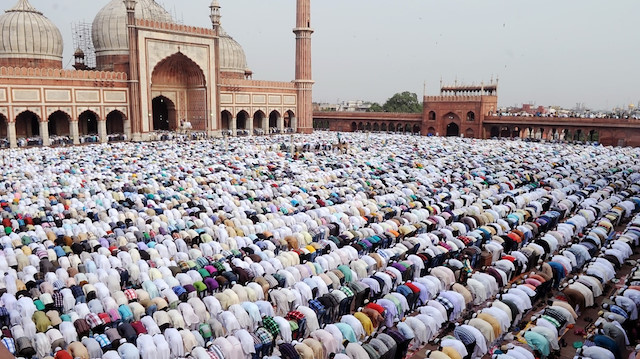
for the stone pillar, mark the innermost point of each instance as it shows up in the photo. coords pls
(75, 132)
(250, 126)
(233, 126)
(44, 133)
(102, 131)
(11, 134)
(280, 124)
(294, 124)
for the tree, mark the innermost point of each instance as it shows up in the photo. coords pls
(403, 102)
(375, 107)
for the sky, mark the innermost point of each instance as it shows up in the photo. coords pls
(545, 52)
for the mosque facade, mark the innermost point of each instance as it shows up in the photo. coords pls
(151, 75)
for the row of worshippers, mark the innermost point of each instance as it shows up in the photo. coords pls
(583, 288)
(559, 313)
(154, 274)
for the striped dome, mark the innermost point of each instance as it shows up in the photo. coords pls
(27, 34)
(109, 32)
(232, 57)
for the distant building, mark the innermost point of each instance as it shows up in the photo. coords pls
(346, 106)
(472, 112)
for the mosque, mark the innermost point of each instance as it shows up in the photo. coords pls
(152, 74)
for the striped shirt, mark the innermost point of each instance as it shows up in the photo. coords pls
(464, 335)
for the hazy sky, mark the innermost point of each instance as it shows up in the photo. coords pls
(548, 52)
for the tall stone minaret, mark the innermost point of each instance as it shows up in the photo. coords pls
(215, 124)
(135, 117)
(304, 82)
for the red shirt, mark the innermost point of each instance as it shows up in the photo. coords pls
(139, 328)
(63, 354)
(377, 307)
(412, 287)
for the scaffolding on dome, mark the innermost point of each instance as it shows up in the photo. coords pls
(82, 40)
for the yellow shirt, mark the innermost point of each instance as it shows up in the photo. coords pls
(365, 321)
(451, 352)
(495, 324)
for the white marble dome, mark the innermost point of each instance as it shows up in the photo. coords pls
(109, 30)
(232, 57)
(25, 33)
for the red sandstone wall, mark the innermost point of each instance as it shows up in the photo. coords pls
(32, 63)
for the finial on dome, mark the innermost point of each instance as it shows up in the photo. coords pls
(24, 5)
(215, 14)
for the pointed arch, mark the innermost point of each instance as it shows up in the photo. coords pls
(258, 117)
(178, 70)
(289, 117)
(494, 132)
(27, 124)
(242, 120)
(505, 132)
(354, 127)
(4, 122)
(431, 131)
(432, 116)
(516, 132)
(116, 125)
(453, 130)
(225, 120)
(383, 127)
(88, 123)
(58, 123)
(273, 119)
(179, 74)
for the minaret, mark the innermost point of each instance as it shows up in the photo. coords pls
(135, 117)
(215, 16)
(304, 82)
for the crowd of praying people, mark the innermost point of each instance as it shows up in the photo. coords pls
(286, 247)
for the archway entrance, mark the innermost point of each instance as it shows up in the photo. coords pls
(453, 129)
(505, 132)
(115, 123)
(225, 120)
(27, 125)
(3, 125)
(242, 122)
(164, 114)
(258, 121)
(273, 121)
(179, 78)
(495, 132)
(59, 124)
(88, 123)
